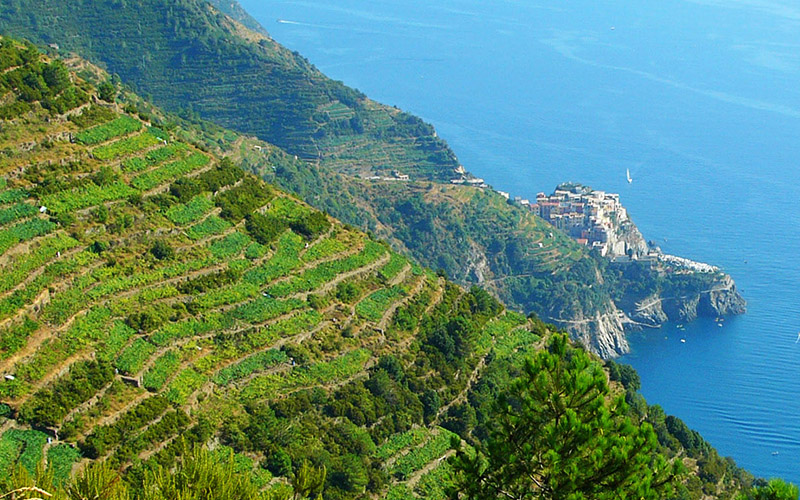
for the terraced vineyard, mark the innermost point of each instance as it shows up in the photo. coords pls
(152, 295)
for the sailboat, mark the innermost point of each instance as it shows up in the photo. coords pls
(628, 173)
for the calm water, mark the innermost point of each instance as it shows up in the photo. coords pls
(699, 99)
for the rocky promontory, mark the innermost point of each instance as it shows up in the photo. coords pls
(648, 287)
(718, 298)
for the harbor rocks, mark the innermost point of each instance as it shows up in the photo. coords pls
(719, 298)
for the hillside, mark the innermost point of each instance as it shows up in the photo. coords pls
(154, 296)
(188, 57)
(162, 292)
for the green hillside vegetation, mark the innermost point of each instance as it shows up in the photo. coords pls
(191, 58)
(188, 57)
(170, 320)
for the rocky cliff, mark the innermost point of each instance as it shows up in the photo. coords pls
(626, 238)
(719, 298)
(602, 332)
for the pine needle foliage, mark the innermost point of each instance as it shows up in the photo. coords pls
(558, 434)
(774, 489)
(201, 476)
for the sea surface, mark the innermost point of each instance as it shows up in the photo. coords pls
(700, 99)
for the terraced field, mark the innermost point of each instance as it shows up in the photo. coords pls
(152, 295)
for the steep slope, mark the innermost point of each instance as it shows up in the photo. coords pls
(150, 291)
(153, 296)
(235, 11)
(186, 55)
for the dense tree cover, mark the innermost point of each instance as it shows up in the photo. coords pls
(624, 374)
(555, 434)
(310, 226)
(714, 476)
(265, 228)
(33, 80)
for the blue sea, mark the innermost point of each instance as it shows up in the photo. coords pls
(700, 99)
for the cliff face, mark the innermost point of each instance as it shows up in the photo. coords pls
(723, 299)
(720, 298)
(649, 312)
(602, 332)
(626, 237)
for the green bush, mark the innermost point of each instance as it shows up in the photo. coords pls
(49, 406)
(264, 228)
(242, 200)
(115, 128)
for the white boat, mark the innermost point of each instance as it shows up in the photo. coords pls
(628, 174)
(683, 341)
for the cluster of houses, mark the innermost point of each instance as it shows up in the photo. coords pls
(467, 180)
(590, 216)
(396, 176)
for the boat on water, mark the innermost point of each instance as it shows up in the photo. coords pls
(683, 341)
(628, 175)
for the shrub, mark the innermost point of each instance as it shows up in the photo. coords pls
(161, 250)
(264, 228)
(238, 202)
(49, 406)
(311, 226)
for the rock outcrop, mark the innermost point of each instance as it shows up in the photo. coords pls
(602, 332)
(720, 298)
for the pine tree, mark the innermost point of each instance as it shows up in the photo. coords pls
(775, 489)
(556, 433)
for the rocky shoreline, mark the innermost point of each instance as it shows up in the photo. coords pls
(604, 333)
(722, 299)
(667, 288)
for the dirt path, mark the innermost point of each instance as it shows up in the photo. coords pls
(328, 286)
(58, 371)
(387, 316)
(89, 403)
(412, 481)
(117, 414)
